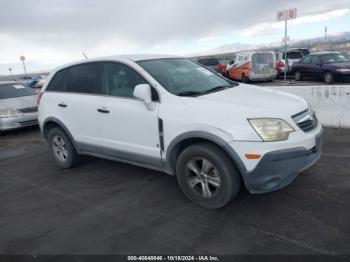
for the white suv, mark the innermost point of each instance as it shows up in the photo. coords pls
(171, 114)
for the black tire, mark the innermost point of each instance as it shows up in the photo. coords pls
(328, 78)
(245, 79)
(297, 76)
(223, 173)
(55, 138)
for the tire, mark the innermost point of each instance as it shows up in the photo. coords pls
(245, 79)
(297, 76)
(328, 78)
(62, 149)
(214, 178)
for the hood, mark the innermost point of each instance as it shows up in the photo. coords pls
(253, 101)
(18, 102)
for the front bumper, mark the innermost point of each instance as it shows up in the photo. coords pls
(20, 121)
(279, 168)
(342, 76)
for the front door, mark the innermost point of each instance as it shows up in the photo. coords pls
(128, 130)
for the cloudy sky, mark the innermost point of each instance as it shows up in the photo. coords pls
(53, 32)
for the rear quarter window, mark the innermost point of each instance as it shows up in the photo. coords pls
(57, 82)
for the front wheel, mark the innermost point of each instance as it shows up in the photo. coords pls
(207, 176)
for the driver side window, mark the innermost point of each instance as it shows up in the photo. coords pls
(119, 80)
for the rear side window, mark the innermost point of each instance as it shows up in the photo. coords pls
(83, 79)
(57, 82)
(316, 60)
(307, 60)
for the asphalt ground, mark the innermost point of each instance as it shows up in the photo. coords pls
(105, 207)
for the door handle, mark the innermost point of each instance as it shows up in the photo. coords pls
(62, 104)
(103, 110)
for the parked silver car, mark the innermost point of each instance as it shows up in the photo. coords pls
(17, 106)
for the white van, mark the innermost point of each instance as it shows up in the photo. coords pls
(171, 114)
(252, 66)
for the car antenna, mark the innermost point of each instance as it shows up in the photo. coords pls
(85, 55)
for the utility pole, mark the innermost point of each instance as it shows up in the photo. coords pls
(10, 69)
(325, 33)
(286, 66)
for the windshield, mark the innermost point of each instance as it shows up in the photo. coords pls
(14, 90)
(180, 76)
(334, 58)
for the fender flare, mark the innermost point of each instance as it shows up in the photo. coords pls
(62, 126)
(207, 136)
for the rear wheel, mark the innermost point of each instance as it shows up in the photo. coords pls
(62, 148)
(207, 176)
(297, 76)
(329, 78)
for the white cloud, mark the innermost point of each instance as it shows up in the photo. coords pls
(264, 28)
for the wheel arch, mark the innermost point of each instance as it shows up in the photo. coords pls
(182, 141)
(52, 122)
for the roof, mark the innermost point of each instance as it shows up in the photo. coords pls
(131, 57)
(324, 53)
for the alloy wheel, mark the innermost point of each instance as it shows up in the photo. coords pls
(59, 148)
(203, 177)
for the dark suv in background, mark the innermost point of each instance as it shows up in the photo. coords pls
(329, 66)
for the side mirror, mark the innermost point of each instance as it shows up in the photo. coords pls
(144, 93)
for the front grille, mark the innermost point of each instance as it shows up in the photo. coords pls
(28, 109)
(306, 120)
(29, 123)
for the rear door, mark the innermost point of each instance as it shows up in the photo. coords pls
(304, 66)
(263, 65)
(75, 103)
(316, 67)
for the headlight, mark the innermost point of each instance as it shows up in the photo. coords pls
(271, 129)
(343, 70)
(8, 113)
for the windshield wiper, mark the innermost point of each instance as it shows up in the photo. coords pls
(190, 93)
(218, 88)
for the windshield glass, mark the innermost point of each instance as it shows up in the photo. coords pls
(14, 90)
(334, 58)
(179, 76)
